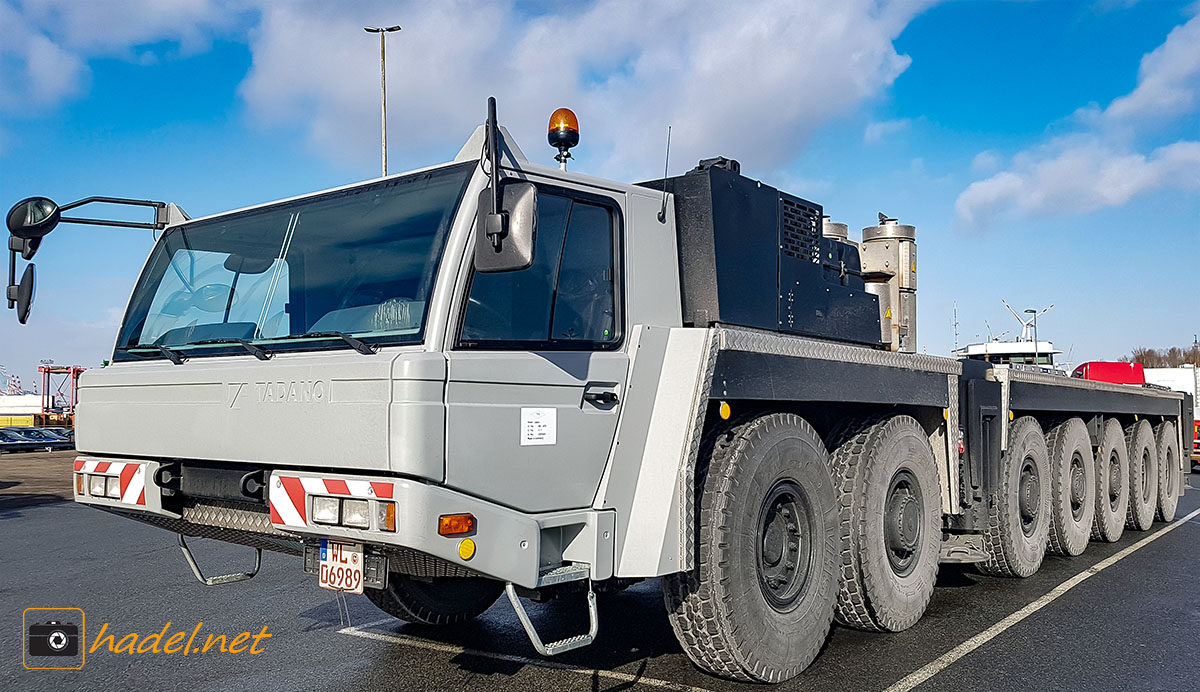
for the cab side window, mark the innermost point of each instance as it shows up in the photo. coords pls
(566, 298)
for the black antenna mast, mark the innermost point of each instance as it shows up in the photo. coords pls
(662, 212)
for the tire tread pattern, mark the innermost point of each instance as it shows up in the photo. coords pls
(694, 610)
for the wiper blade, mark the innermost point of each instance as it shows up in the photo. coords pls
(170, 354)
(355, 343)
(257, 351)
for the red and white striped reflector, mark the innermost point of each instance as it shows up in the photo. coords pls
(132, 475)
(289, 495)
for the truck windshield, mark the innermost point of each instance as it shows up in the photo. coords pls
(358, 262)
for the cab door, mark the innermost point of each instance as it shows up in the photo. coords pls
(537, 371)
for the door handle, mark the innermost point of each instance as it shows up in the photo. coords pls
(603, 398)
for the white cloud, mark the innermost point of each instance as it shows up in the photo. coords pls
(1101, 165)
(1168, 80)
(45, 44)
(1083, 176)
(744, 80)
(878, 131)
(985, 162)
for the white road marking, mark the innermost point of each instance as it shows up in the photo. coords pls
(919, 676)
(364, 632)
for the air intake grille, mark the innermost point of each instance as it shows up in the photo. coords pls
(799, 229)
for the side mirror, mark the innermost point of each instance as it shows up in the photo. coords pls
(25, 293)
(504, 242)
(32, 218)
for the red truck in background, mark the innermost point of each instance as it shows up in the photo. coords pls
(1107, 371)
(1185, 378)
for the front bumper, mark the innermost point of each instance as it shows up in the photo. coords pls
(509, 545)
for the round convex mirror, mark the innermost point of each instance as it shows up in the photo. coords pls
(33, 217)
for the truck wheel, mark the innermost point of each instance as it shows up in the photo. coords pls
(1112, 484)
(1073, 487)
(1019, 515)
(1168, 470)
(891, 513)
(1143, 476)
(438, 601)
(759, 603)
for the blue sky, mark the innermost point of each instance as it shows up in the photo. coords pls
(1048, 152)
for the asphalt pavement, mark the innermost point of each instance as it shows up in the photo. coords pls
(1113, 619)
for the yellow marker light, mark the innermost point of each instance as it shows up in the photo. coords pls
(726, 412)
(1010, 415)
(385, 515)
(456, 524)
(466, 549)
(945, 414)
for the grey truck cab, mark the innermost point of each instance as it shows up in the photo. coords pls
(493, 376)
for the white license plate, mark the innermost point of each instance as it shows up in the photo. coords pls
(341, 567)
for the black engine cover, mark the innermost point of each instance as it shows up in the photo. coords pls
(753, 256)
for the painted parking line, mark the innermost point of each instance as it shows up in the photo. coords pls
(919, 676)
(365, 632)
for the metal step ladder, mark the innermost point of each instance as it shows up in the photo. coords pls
(221, 579)
(559, 575)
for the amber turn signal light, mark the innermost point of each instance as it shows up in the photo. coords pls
(456, 524)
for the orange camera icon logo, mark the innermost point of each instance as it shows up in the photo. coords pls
(53, 638)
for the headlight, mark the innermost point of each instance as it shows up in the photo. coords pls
(356, 514)
(96, 486)
(325, 510)
(114, 487)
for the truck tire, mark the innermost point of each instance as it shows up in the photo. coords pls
(1072, 487)
(1143, 476)
(1019, 513)
(437, 601)
(759, 603)
(1168, 470)
(1112, 484)
(891, 518)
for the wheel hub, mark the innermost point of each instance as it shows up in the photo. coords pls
(1146, 477)
(1078, 487)
(902, 521)
(784, 545)
(1114, 480)
(1029, 496)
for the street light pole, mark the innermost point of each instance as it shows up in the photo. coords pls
(382, 31)
(1035, 336)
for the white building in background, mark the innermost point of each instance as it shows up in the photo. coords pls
(20, 404)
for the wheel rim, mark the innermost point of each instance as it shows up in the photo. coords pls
(784, 546)
(1114, 480)
(1168, 471)
(1030, 491)
(902, 522)
(1147, 477)
(1079, 489)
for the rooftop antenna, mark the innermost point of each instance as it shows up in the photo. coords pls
(662, 212)
(989, 329)
(955, 323)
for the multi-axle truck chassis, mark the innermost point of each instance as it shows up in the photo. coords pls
(493, 376)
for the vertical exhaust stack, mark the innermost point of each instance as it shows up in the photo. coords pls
(889, 265)
(837, 231)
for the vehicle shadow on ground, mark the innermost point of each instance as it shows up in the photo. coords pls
(12, 503)
(633, 630)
